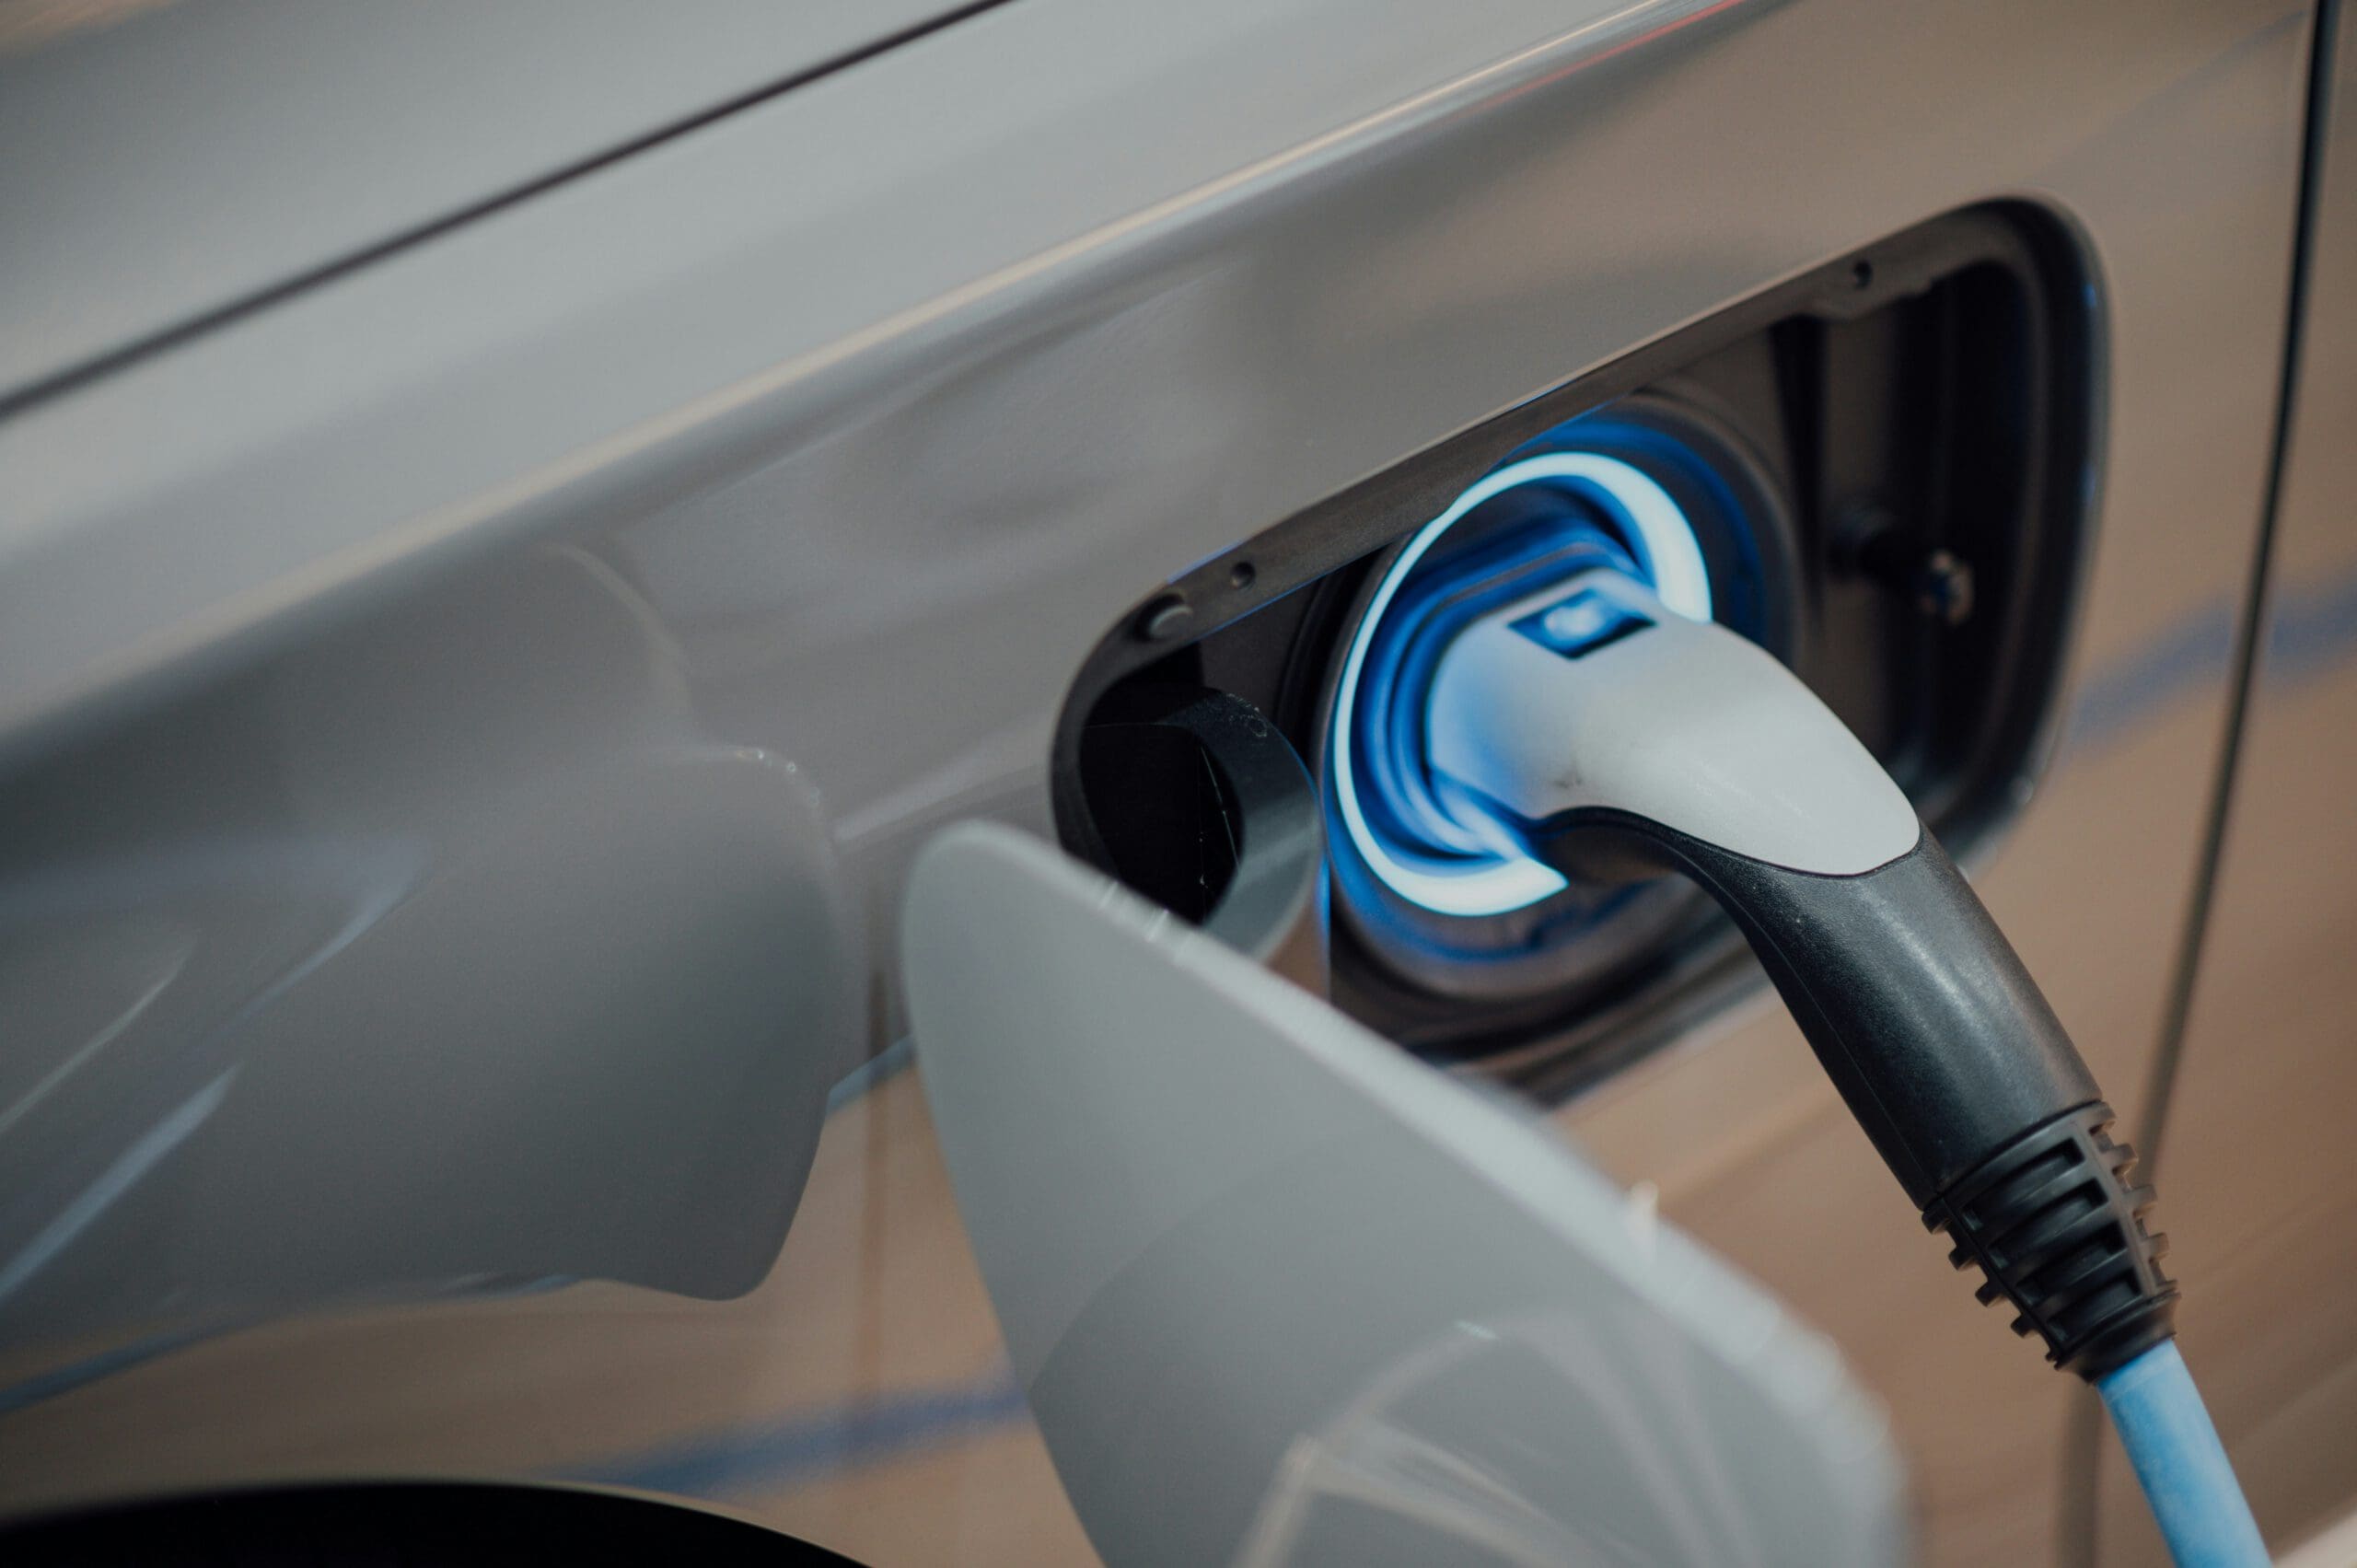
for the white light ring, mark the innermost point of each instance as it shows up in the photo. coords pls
(1680, 580)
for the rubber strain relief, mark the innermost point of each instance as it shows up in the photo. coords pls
(2053, 1222)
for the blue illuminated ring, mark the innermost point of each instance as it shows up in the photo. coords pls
(1670, 555)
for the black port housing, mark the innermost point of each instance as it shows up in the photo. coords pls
(1919, 413)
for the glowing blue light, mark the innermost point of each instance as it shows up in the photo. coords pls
(1672, 558)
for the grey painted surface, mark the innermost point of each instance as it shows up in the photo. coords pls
(2254, 1138)
(868, 430)
(411, 997)
(159, 161)
(1280, 1295)
(730, 286)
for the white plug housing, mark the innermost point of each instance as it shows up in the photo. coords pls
(1592, 695)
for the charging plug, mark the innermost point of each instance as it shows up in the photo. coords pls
(1611, 738)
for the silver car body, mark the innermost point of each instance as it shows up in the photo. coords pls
(494, 594)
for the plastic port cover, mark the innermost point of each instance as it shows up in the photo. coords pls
(1278, 1292)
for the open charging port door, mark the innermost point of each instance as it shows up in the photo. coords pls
(1877, 471)
(1279, 1293)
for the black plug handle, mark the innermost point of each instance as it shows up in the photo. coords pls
(1956, 1067)
(1928, 1022)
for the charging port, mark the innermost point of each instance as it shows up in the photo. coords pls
(1875, 471)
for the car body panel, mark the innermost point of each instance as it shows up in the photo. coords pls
(161, 162)
(875, 450)
(2254, 1140)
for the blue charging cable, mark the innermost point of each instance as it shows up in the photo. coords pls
(2179, 1461)
(1564, 716)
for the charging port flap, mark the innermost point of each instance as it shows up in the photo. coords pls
(1279, 1293)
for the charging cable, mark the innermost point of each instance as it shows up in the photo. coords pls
(1586, 727)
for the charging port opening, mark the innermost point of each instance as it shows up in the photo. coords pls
(1877, 471)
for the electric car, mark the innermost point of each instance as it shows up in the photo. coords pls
(519, 523)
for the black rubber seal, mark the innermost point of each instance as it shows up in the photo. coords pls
(2059, 1231)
